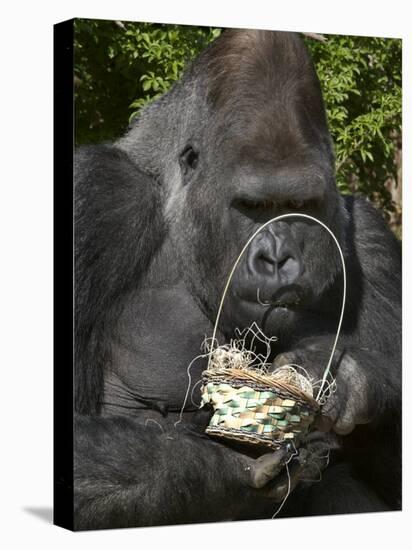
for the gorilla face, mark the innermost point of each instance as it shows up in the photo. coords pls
(263, 150)
(285, 269)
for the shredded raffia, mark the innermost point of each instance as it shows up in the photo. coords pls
(239, 359)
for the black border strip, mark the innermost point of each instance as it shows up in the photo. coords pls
(63, 273)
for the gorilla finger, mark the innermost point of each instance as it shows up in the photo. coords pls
(267, 467)
(347, 419)
(344, 426)
(323, 423)
(202, 416)
(284, 359)
(287, 485)
(300, 357)
(331, 408)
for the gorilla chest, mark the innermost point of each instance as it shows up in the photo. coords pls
(159, 332)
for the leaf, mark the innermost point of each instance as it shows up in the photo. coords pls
(147, 84)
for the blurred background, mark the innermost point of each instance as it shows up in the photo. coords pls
(122, 66)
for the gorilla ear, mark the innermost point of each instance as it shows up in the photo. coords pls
(188, 160)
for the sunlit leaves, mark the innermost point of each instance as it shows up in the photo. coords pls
(120, 67)
(361, 82)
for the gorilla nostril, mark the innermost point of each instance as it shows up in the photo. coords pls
(290, 267)
(266, 264)
(283, 262)
(267, 259)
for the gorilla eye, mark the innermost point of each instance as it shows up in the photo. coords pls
(296, 205)
(188, 159)
(309, 204)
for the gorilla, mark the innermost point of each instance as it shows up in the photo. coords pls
(160, 217)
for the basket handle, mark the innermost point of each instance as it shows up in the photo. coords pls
(276, 219)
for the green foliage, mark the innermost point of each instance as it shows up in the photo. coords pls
(361, 79)
(121, 66)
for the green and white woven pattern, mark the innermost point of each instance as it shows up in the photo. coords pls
(254, 415)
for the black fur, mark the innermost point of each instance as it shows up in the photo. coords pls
(118, 228)
(160, 217)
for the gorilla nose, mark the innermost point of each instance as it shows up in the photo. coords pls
(275, 259)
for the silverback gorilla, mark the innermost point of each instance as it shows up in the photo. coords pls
(161, 215)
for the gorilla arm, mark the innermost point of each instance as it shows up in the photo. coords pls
(118, 229)
(367, 363)
(130, 474)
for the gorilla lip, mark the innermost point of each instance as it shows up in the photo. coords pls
(278, 304)
(289, 300)
(282, 303)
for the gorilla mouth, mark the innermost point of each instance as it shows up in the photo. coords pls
(273, 313)
(287, 298)
(279, 303)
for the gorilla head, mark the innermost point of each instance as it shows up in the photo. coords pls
(241, 139)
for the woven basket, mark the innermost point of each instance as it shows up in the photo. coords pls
(252, 407)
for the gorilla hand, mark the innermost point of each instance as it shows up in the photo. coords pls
(124, 466)
(263, 473)
(306, 465)
(348, 405)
